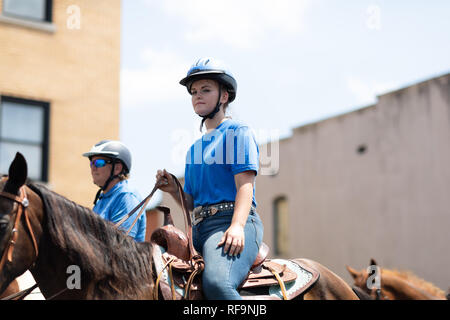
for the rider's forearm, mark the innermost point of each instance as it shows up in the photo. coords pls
(244, 197)
(243, 203)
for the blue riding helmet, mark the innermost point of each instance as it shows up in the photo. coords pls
(210, 68)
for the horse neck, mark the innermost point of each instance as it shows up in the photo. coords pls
(74, 232)
(50, 271)
(396, 288)
(50, 268)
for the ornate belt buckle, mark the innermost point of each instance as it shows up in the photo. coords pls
(196, 215)
(195, 220)
(197, 210)
(214, 210)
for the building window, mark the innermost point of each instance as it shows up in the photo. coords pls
(24, 127)
(39, 10)
(281, 226)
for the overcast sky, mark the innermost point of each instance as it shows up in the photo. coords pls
(295, 61)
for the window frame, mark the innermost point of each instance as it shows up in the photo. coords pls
(45, 127)
(277, 225)
(48, 13)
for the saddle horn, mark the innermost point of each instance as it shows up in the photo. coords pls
(167, 216)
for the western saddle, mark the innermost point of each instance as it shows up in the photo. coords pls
(183, 269)
(175, 253)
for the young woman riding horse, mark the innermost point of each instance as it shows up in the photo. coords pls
(220, 173)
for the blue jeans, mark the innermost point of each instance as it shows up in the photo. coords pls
(223, 273)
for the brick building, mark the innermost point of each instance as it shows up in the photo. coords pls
(59, 87)
(59, 90)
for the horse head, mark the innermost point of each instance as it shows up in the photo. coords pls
(394, 284)
(361, 279)
(19, 216)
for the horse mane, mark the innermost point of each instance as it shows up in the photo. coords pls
(119, 266)
(416, 281)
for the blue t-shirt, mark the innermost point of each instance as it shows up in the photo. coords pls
(214, 160)
(117, 203)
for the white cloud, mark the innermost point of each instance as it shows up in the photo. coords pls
(240, 23)
(156, 81)
(366, 92)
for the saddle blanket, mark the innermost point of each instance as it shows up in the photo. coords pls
(304, 278)
(159, 266)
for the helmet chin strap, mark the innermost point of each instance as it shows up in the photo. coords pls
(212, 113)
(103, 188)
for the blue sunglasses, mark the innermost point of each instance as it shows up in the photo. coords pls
(99, 163)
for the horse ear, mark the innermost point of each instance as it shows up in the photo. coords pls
(352, 272)
(373, 262)
(18, 171)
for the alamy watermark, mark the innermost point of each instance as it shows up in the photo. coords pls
(374, 278)
(74, 17)
(74, 279)
(231, 147)
(373, 21)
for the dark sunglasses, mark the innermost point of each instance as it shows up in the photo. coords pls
(99, 163)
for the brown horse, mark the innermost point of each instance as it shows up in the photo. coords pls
(67, 236)
(396, 285)
(56, 236)
(329, 286)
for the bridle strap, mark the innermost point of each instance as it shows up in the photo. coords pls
(378, 294)
(187, 219)
(21, 294)
(193, 254)
(23, 204)
(142, 204)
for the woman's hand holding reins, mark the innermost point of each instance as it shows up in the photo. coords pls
(166, 182)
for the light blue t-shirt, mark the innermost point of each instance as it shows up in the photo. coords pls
(214, 160)
(117, 203)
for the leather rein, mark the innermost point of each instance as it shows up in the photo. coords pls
(23, 204)
(195, 259)
(22, 201)
(193, 254)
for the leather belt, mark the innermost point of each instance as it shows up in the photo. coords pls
(202, 212)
